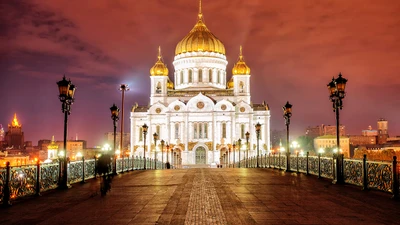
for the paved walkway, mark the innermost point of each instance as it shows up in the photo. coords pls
(207, 196)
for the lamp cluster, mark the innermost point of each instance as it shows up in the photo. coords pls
(67, 91)
(337, 91)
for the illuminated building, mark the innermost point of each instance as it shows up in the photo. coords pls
(202, 113)
(329, 142)
(14, 136)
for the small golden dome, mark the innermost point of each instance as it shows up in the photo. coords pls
(230, 83)
(240, 67)
(200, 39)
(170, 84)
(53, 145)
(159, 69)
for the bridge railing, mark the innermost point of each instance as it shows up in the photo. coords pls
(378, 175)
(20, 181)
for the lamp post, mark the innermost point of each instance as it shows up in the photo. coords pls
(336, 94)
(287, 113)
(247, 149)
(114, 116)
(67, 91)
(122, 88)
(168, 163)
(162, 153)
(144, 128)
(155, 137)
(234, 149)
(258, 129)
(240, 145)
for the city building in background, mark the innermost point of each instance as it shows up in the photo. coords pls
(322, 130)
(14, 135)
(328, 144)
(202, 113)
(109, 139)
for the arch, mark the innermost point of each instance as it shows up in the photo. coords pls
(210, 76)
(200, 78)
(241, 86)
(158, 88)
(181, 78)
(190, 76)
(200, 155)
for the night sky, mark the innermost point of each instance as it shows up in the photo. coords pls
(293, 48)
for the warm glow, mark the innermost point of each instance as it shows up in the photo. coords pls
(15, 122)
(118, 152)
(321, 150)
(282, 149)
(106, 147)
(61, 154)
(79, 155)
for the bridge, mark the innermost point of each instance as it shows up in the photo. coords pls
(266, 195)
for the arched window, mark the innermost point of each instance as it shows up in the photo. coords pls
(190, 76)
(140, 134)
(195, 130)
(181, 77)
(219, 77)
(210, 76)
(205, 130)
(241, 86)
(201, 130)
(223, 130)
(176, 130)
(158, 88)
(200, 75)
(158, 131)
(242, 131)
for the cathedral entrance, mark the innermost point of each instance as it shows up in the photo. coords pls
(201, 155)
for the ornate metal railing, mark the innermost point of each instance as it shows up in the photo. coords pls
(383, 176)
(16, 182)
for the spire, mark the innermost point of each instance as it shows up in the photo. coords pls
(159, 52)
(240, 53)
(200, 13)
(15, 121)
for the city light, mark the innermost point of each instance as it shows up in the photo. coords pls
(321, 150)
(106, 147)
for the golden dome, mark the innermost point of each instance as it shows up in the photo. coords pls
(200, 39)
(159, 69)
(240, 67)
(52, 145)
(230, 83)
(170, 84)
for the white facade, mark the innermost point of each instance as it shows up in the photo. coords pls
(200, 117)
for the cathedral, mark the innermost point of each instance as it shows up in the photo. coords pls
(200, 114)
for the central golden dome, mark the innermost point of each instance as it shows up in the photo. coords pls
(200, 39)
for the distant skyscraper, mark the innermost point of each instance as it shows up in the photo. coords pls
(14, 136)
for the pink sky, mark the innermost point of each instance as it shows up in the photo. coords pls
(293, 48)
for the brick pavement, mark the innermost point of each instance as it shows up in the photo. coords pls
(207, 196)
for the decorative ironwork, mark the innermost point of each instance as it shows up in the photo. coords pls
(75, 172)
(127, 164)
(293, 162)
(302, 164)
(89, 168)
(22, 181)
(313, 165)
(283, 161)
(2, 183)
(353, 172)
(48, 176)
(119, 164)
(327, 167)
(379, 176)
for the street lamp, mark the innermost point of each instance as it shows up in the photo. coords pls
(240, 145)
(67, 91)
(114, 116)
(234, 150)
(144, 128)
(122, 88)
(162, 153)
(258, 129)
(336, 94)
(168, 163)
(247, 149)
(155, 136)
(287, 113)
